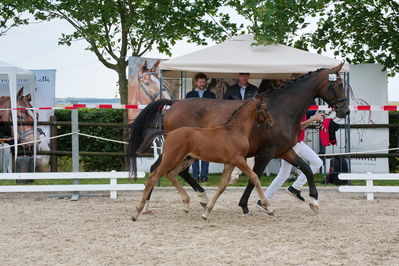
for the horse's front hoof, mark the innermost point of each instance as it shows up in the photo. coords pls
(204, 217)
(134, 218)
(314, 205)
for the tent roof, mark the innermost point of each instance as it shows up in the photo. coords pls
(21, 73)
(237, 55)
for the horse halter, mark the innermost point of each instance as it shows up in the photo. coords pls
(23, 134)
(332, 77)
(260, 110)
(156, 94)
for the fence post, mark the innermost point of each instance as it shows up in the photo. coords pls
(75, 148)
(53, 145)
(369, 185)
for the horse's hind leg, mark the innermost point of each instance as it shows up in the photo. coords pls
(154, 166)
(296, 161)
(171, 176)
(151, 180)
(260, 164)
(224, 181)
(242, 164)
(183, 194)
(197, 187)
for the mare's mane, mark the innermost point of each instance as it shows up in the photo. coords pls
(285, 88)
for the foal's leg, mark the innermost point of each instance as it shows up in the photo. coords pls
(154, 166)
(197, 187)
(188, 178)
(151, 180)
(171, 176)
(224, 181)
(242, 164)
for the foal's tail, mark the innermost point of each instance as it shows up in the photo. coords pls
(147, 120)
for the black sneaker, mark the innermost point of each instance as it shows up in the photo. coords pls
(295, 193)
(260, 206)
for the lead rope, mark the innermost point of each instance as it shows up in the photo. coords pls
(319, 124)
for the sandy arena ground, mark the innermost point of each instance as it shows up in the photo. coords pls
(37, 230)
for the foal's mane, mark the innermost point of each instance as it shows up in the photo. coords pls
(239, 108)
(235, 112)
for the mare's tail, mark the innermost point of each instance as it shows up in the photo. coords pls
(145, 122)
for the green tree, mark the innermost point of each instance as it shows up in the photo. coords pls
(276, 21)
(364, 31)
(11, 15)
(360, 31)
(117, 29)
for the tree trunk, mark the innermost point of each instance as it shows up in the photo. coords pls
(123, 82)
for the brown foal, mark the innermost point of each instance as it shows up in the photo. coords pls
(227, 144)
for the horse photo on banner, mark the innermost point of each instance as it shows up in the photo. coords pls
(144, 84)
(43, 94)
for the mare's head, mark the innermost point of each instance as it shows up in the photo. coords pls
(333, 91)
(264, 116)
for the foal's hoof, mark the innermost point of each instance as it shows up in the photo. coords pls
(134, 218)
(314, 205)
(146, 209)
(203, 205)
(204, 217)
(203, 199)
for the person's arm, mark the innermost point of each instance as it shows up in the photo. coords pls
(316, 117)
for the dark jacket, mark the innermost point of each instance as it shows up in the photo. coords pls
(233, 93)
(194, 94)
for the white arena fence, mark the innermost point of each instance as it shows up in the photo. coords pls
(113, 186)
(369, 188)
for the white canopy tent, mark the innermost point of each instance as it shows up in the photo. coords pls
(238, 55)
(12, 74)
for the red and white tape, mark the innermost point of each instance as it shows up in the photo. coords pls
(140, 107)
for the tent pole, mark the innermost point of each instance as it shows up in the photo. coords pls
(347, 124)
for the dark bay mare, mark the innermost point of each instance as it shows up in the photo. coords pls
(287, 106)
(228, 144)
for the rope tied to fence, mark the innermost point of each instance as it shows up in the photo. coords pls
(125, 143)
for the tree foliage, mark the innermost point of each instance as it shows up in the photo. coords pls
(276, 21)
(117, 29)
(11, 14)
(364, 31)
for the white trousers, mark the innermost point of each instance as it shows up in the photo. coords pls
(236, 172)
(307, 154)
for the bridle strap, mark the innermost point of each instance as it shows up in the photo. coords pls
(259, 110)
(156, 94)
(333, 78)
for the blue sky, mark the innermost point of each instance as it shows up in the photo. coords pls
(79, 74)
